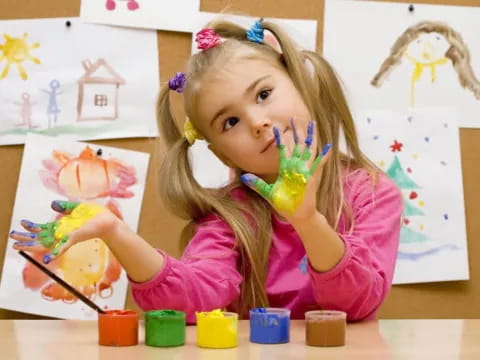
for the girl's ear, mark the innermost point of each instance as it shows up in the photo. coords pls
(219, 155)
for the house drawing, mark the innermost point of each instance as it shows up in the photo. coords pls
(98, 91)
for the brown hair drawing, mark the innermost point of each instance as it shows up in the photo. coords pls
(457, 53)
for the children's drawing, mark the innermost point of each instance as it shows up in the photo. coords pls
(52, 107)
(98, 91)
(403, 61)
(26, 111)
(15, 51)
(413, 205)
(88, 176)
(89, 266)
(59, 169)
(88, 90)
(427, 45)
(145, 14)
(131, 4)
(420, 153)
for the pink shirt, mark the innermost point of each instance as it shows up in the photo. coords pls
(206, 276)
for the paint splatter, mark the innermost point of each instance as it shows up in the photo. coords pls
(376, 137)
(443, 163)
(427, 139)
(413, 195)
(415, 156)
(422, 227)
(409, 170)
(396, 146)
(369, 120)
(445, 216)
(445, 125)
(410, 119)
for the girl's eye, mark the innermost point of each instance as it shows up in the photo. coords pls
(230, 122)
(263, 94)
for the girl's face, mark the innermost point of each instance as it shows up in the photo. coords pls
(428, 48)
(238, 108)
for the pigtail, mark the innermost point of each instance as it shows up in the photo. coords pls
(166, 121)
(337, 120)
(179, 195)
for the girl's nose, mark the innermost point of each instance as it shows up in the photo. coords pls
(260, 126)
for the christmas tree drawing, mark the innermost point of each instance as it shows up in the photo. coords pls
(402, 179)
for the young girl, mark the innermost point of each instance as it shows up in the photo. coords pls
(289, 231)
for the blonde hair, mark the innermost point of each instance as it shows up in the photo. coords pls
(457, 52)
(322, 94)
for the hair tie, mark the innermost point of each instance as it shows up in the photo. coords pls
(177, 82)
(255, 33)
(190, 132)
(207, 38)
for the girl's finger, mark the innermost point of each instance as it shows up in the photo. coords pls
(281, 150)
(258, 185)
(320, 161)
(30, 246)
(63, 206)
(31, 226)
(308, 141)
(60, 247)
(295, 161)
(23, 236)
(296, 148)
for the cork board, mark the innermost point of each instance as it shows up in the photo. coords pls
(162, 229)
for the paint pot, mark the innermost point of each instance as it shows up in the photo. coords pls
(325, 327)
(217, 329)
(269, 325)
(118, 328)
(164, 328)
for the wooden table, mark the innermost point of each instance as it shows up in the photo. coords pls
(382, 340)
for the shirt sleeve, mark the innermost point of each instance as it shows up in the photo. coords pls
(359, 283)
(205, 278)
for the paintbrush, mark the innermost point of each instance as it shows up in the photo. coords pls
(66, 285)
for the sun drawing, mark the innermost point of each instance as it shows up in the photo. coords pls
(16, 51)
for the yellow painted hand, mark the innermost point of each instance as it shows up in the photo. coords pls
(288, 191)
(55, 234)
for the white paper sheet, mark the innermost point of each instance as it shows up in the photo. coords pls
(359, 36)
(178, 15)
(55, 169)
(81, 81)
(420, 151)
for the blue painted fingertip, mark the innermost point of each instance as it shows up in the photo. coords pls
(325, 149)
(276, 132)
(26, 234)
(309, 139)
(294, 129)
(247, 179)
(29, 223)
(47, 258)
(13, 232)
(25, 243)
(57, 205)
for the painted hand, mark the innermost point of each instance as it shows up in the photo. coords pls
(288, 191)
(55, 235)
